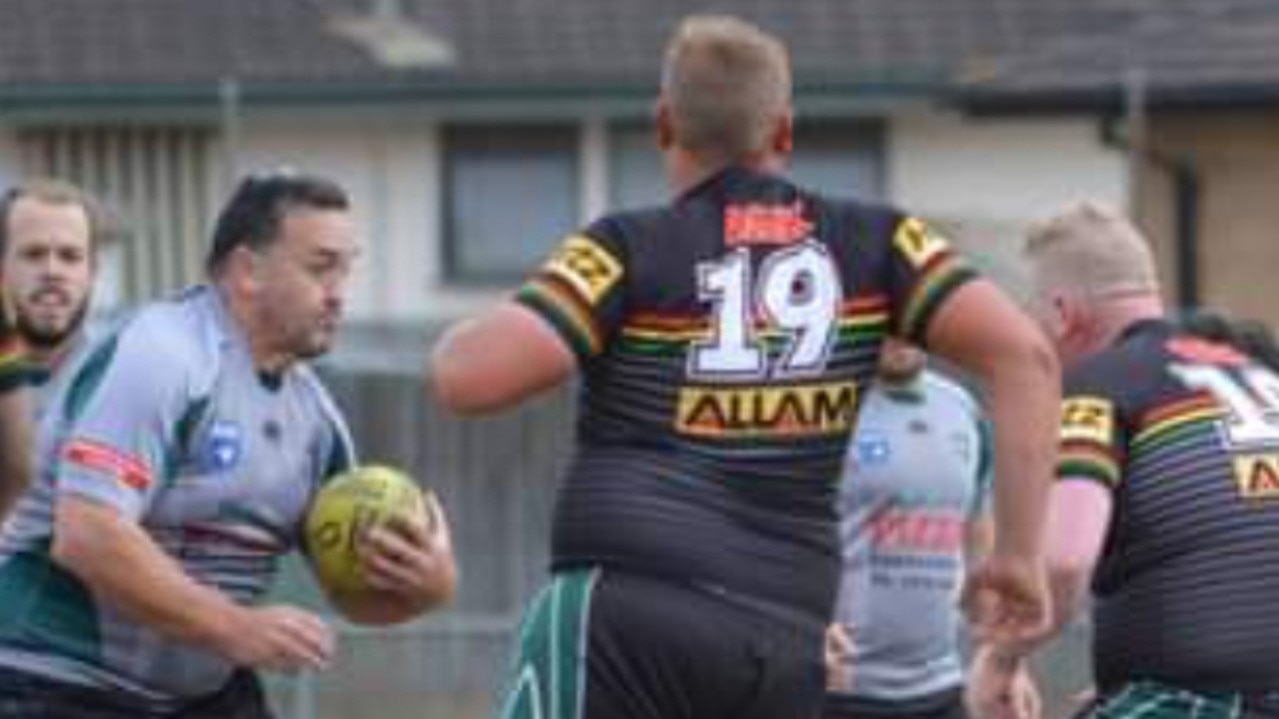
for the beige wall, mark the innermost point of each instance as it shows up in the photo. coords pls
(985, 180)
(1238, 158)
(392, 177)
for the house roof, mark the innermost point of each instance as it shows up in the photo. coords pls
(1175, 53)
(81, 50)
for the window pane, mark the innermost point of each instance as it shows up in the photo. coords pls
(635, 168)
(839, 158)
(511, 194)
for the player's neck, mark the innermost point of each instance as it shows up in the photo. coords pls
(686, 170)
(263, 352)
(1123, 312)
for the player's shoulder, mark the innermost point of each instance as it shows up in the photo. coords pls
(178, 329)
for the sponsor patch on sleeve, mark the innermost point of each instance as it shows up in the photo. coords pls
(1087, 419)
(585, 266)
(918, 242)
(105, 459)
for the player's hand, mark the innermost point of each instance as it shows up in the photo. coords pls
(411, 559)
(1007, 600)
(996, 688)
(838, 652)
(279, 637)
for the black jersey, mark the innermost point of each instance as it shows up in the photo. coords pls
(724, 341)
(1185, 433)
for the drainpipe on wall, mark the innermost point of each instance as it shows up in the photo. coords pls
(1187, 192)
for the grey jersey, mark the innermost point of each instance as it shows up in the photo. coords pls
(917, 471)
(167, 421)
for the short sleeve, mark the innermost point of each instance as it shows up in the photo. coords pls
(121, 415)
(579, 291)
(985, 468)
(1092, 436)
(925, 269)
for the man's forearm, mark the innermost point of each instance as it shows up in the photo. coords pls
(1025, 403)
(122, 565)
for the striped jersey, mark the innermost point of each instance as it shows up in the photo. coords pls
(167, 421)
(724, 342)
(918, 471)
(1183, 433)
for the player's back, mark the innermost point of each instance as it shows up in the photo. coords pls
(725, 346)
(1188, 585)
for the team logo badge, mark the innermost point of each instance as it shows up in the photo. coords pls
(223, 446)
(1087, 419)
(918, 242)
(872, 449)
(586, 266)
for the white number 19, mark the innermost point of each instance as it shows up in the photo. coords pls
(797, 293)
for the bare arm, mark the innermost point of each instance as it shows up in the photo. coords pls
(126, 569)
(980, 329)
(1078, 518)
(16, 439)
(979, 537)
(493, 361)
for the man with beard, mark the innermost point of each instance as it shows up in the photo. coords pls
(49, 235)
(176, 469)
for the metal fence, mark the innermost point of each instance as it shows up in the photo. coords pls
(496, 478)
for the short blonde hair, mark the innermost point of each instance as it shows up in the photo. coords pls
(1093, 250)
(726, 82)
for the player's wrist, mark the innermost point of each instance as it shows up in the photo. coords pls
(1004, 658)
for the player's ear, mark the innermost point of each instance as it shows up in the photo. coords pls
(245, 269)
(783, 140)
(665, 123)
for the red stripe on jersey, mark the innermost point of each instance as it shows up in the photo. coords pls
(104, 458)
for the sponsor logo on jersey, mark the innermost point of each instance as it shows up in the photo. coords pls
(223, 446)
(1087, 419)
(1200, 350)
(917, 530)
(585, 266)
(918, 242)
(814, 409)
(759, 224)
(99, 457)
(1257, 475)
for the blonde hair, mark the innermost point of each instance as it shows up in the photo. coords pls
(1093, 250)
(726, 82)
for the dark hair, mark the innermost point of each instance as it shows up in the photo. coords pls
(252, 217)
(1250, 337)
(53, 192)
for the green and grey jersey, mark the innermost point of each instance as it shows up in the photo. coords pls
(917, 471)
(167, 421)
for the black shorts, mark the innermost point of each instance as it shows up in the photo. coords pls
(28, 696)
(947, 704)
(601, 644)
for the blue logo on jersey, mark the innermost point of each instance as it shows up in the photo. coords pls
(223, 446)
(872, 449)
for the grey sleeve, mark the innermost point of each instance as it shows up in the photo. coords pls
(121, 412)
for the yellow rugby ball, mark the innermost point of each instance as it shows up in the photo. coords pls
(346, 507)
